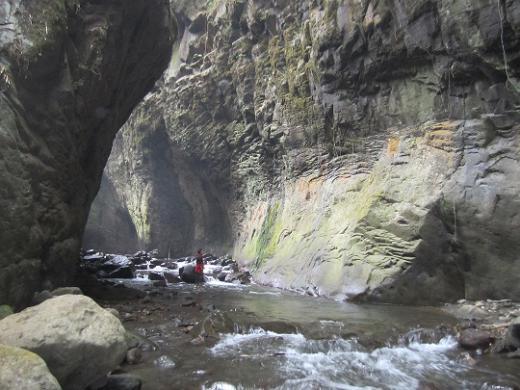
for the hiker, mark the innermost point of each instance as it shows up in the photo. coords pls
(199, 264)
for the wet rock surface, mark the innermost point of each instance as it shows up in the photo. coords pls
(23, 370)
(491, 326)
(161, 271)
(79, 341)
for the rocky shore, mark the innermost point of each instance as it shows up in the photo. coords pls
(491, 326)
(162, 271)
(69, 341)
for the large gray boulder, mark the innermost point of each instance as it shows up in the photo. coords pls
(24, 370)
(79, 340)
(188, 275)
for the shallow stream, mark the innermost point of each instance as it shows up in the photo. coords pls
(259, 337)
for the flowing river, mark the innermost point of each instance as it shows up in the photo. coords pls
(259, 338)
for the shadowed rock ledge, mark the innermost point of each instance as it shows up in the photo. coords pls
(71, 72)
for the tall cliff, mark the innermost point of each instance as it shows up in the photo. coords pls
(71, 71)
(361, 149)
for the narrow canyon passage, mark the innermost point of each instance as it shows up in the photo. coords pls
(271, 194)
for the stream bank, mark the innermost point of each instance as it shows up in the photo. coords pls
(167, 334)
(225, 336)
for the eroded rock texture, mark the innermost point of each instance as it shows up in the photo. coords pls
(363, 149)
(71, 71)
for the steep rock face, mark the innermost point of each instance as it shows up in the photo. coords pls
(363, 149)
(172, 205)
(110, 225)
(70, 73)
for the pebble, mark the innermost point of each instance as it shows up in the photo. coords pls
(164, 362)
(134, 356)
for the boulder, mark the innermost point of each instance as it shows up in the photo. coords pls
(155, 276)
(222, 276)
(23, 370)
(125, 272)
(93, 257)
(217, 271)
(118, 261)
(79, 340)
(171, 277)
(42, 296)
(511, 341)
(227, 261)
(188, 275)
(171, 265)
(138, 260)
(159, 283)
(475, 339)
(123, 382)
(241, 277)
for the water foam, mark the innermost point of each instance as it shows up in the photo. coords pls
(339, 363)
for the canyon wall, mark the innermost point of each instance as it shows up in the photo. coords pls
(360, 149)
(71, 71)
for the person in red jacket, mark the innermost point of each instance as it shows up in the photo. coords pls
(199, 263)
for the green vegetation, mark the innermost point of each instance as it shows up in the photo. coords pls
(5, 310)
(263, 245)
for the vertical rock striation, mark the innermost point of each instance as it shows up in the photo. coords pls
(71, 71)
(362, 149)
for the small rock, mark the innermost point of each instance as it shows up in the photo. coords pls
(159, 283)
(66, 291)
(514, 355)
(41, 297)
(475, 339)
(198, 340)
(512, 337)
(164, 362)
(134, 356)
(428, 386)
(138, 260)
(468, 359)
(155, 276)
(113, 311)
